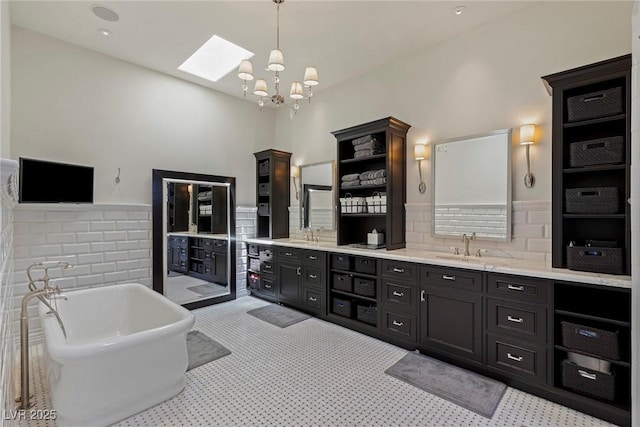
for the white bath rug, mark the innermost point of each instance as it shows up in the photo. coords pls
(203, 349)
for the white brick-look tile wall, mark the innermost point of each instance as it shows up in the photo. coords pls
(530, 234)
(106, 244)
(484, 220)
(327, 234)
(7, 344)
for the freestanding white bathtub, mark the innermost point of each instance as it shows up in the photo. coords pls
(125, 351)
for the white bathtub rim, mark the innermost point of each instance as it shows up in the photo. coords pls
(61, 351)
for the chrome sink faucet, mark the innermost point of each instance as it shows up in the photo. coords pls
(309, 234)
(466, 239)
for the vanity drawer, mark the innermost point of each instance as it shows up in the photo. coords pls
(364, 265)
(313, 300)
(526, 321)
(400, 326)
(220, 245)
(204, 243)
(313, 276)
(266, 254)
(520, 359)
(315, 258)
(400, 295)
(341, 262)
(288, 253)
(267, 285)
(518, 288)
(400, 270)
(267, 267)
(452, 278)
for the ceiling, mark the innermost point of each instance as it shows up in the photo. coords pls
(343, 39)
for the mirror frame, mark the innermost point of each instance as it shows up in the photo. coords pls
(159, 239)
(508, 132)
(333, 184)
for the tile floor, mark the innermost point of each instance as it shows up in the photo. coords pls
(312, 373)
(177, 286)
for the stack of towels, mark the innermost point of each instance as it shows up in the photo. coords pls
(377, 177)
(366, 146)
(351, 180)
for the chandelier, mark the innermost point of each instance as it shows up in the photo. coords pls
(276, 65)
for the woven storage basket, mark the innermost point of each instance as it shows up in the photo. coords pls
(377, 204)
(367, 314)
(599, 151)
(343, 282)
(601, 200)
(595, 259)
(263, 209)
(365, 287)
(342, 307)
(592, 105)
(587, 381)
(596, 341)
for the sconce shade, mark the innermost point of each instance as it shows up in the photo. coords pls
(296, 91)
(310, 76)
(245, 71)
(419, 151)
(527, 134)
(294, 172)
(276, 60)
(261, 88)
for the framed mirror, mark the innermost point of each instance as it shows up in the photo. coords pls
(472, 186)
(193, 237)
(317, 198)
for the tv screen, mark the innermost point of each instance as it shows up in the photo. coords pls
(51, 182)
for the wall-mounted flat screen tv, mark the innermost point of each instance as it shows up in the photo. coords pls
(44, 181)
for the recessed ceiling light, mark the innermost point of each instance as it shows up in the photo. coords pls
(459, 10)
(215, 59)
(105, 13)
(104, 32)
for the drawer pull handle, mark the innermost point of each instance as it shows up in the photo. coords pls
(298, 271)
(516, 358)
(313, 276)
(515, 288)
(267, 266)
(446, 277)
(422, 293)
(398, 270)
(267, 286)
(588, 334)
(587, 375)
(515, 319)
(313, 257)
(313, 299)
(398, 294)
(288, 254)
(398, 323)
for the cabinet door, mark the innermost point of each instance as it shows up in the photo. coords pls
(451, 321)
(220, 263)
(289, 282)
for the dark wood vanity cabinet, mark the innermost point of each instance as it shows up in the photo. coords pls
(384, 210)
(451, 307)
(591, 166)
(177, 255)
(273, 168)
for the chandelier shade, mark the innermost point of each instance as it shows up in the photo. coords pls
(260, 88)
(245, 71)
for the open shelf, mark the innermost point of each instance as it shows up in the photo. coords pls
(355, 273)
(595, 121)
(595, 216)
(363, 187)
(594, 318)
(612, 361)
(364, 159)
(599, 168)
(362, 215)
(352, 295)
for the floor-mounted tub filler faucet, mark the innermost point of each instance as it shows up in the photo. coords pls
(44, 294)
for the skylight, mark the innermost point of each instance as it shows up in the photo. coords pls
(215, 59)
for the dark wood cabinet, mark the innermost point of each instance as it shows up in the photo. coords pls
(384, 210)
(289, 282)
(210, 209)
(178, 199)
(177, 256)
(273, 168)
(591, 166)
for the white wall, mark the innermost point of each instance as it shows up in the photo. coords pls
(482, 80)
(74, 105)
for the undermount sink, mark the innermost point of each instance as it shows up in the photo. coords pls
(461, 258)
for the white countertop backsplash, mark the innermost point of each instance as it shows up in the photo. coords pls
(519, 267)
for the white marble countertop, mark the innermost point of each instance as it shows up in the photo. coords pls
(519, 267)
(204, 235)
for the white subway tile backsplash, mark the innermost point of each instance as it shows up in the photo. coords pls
(90, 258)
(102, 268)
(75, 248)
(539, 217)
(115, 277)
(528, 230)
(139, 235)
(103, 226)
(59, 238)
(93, 215)
(95, 236)
(93, 279)
(112, 236)
(116, 215)
(46, 250)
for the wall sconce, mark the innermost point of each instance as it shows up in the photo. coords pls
(527, 138)
(295, 173)
(419, 153)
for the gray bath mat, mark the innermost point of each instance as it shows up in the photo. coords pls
(278, 315)
(464, 388)
(205, 290)
(202, 349)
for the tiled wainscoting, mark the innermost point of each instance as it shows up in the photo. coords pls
(530, 232)
(6, 296)
(484, 220)
(295, 231)
(106, 244)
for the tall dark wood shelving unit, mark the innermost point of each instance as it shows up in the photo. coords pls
(568, 227)
(272, 193)
(353, 227)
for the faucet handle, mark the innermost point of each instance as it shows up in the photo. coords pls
(479, 252)
(455, 249)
